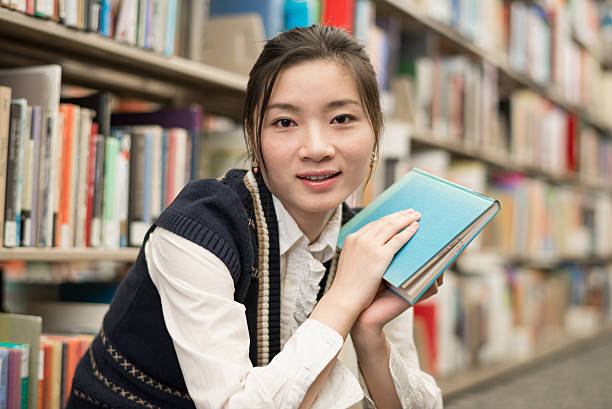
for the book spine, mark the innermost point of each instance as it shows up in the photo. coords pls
(68, 237)
(4, 364)
(91, 178)
(156, 174)
(26, 185)
(170, 32)
(37, 137)
(5, 114)
(93, 17)
(98, 201)
(65, 174)
(14, 381)
(83, 178)
(110, 233)
(123, 188)
(12, 211)
(137, 176)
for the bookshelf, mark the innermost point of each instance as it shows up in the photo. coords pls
(416, 20)
(427, 139)
(68, 254)
(118, 67)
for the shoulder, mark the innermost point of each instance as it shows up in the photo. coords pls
(210, 213)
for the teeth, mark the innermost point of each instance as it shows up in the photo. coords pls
(317, 178)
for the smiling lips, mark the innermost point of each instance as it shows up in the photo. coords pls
(319, 180)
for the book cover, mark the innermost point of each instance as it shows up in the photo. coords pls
(24, 329)
(452, 216)
(189, 118)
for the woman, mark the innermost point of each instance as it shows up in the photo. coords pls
(238, 298)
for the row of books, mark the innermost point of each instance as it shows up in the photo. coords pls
(72, 175)
(36, 369)
(489, 313)
(458, 101)
(163, 26)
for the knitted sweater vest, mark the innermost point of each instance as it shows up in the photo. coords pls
(132, 362)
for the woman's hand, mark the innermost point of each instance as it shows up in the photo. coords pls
(364, 259)
(385, 306)
(366, 255)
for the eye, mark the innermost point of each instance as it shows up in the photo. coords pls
(283, 122)
(343, 119)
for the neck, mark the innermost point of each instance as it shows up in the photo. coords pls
(311, 224)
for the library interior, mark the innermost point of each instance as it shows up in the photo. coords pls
(109, 108)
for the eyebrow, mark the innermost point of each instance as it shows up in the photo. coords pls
(333, 104)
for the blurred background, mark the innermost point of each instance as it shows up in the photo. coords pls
(107, 109)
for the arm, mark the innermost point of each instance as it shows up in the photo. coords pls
(391, 369)
(211, 339)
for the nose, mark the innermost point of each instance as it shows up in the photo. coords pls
(316, 144)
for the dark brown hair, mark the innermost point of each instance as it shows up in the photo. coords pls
(301, 45)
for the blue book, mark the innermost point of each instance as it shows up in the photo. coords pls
(4, 364)
(451, 216)
(271, 12)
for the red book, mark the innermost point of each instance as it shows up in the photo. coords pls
(30, 7)
(91, 175)
(339, 13)
(426, 312)
(572, 143)
(65, 185)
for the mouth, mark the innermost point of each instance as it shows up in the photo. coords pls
(318, 177)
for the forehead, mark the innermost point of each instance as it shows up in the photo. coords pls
(314, 81)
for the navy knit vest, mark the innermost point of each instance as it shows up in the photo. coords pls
(132, 362)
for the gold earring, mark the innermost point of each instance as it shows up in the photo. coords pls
(373, 159)
(255, 166)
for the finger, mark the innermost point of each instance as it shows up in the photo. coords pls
(388, 226)
(400, 239)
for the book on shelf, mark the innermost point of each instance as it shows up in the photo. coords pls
(40, 86)
(189, 118)
(24, 329)
(270, 11)
(452, 216)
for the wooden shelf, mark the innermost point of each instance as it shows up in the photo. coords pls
(67, 254)
(116, 66)
(496, 59)
(473, 378)
(498, 161)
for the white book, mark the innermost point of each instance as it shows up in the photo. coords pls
(82, 174)
(44, 8)
(127, 22)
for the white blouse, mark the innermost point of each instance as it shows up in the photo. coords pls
(211, 338)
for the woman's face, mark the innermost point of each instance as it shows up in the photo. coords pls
(316, 139)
